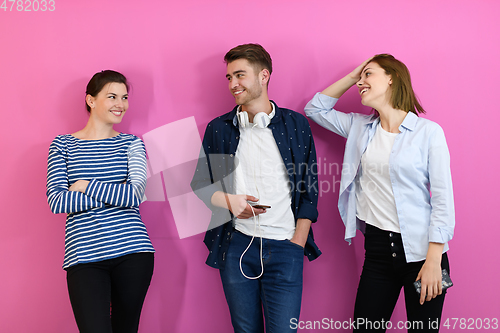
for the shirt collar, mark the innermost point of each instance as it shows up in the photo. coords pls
(373, 121)
(410, 121)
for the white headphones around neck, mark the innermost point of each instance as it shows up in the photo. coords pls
(261, 119)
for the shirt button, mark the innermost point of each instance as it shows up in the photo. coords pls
(231, 155)
(392, 244)
(237, 137)
(394, 255)
(390, 234)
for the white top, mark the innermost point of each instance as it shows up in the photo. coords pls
(261, 172)
(374, 197)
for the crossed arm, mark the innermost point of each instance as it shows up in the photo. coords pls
(88, 194)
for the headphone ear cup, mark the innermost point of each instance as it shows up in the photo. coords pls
(243, 119)
(261, 120)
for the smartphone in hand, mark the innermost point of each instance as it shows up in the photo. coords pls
(260, 206)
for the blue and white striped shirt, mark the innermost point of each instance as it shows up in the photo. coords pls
(104, 222)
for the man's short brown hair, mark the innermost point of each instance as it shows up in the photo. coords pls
(255, 54)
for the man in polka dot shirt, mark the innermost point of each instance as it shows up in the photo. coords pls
(258, 174)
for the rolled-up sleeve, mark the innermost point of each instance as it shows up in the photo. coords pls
(309, 192)
(320, 110)
(203, 183)
(442, 222)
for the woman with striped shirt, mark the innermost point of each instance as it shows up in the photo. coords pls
(97, 176)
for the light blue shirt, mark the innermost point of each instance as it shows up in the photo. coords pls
(419, 165)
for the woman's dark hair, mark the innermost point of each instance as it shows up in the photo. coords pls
(403, 97)
(99, 80)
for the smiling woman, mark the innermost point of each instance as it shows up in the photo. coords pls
(393, 161)
(97, 176)
(398, 89)
(112, 99)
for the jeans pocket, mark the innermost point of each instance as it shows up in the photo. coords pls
(294, 244)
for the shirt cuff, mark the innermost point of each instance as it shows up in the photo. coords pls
(440, 234)
(324, 101)
(308, 211)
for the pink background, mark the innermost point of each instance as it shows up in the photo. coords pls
(172, 53)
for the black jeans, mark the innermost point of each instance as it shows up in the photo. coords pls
(385, 272)
(107, 296)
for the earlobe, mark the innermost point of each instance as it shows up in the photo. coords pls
(90, 102)
(265, 76)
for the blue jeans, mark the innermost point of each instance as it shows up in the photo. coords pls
(278, 291)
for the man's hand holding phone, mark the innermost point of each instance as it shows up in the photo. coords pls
(238, 204)
(251, 210)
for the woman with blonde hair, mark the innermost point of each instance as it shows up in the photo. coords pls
(396, 188)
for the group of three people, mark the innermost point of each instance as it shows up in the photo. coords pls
(257, 174)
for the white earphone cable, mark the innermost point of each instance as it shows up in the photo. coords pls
(256, 221)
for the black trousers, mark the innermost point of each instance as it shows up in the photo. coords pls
(385, 272)
(107, 296)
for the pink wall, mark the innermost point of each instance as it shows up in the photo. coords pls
(172, 53)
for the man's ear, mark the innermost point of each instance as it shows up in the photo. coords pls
(264, 76)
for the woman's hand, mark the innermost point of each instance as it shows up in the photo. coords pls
(337, 89)
(79, 186)
(430, 276)
(430, 273)
(356, 73)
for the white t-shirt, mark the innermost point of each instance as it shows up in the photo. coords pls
(261, 173)
(375, 202)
